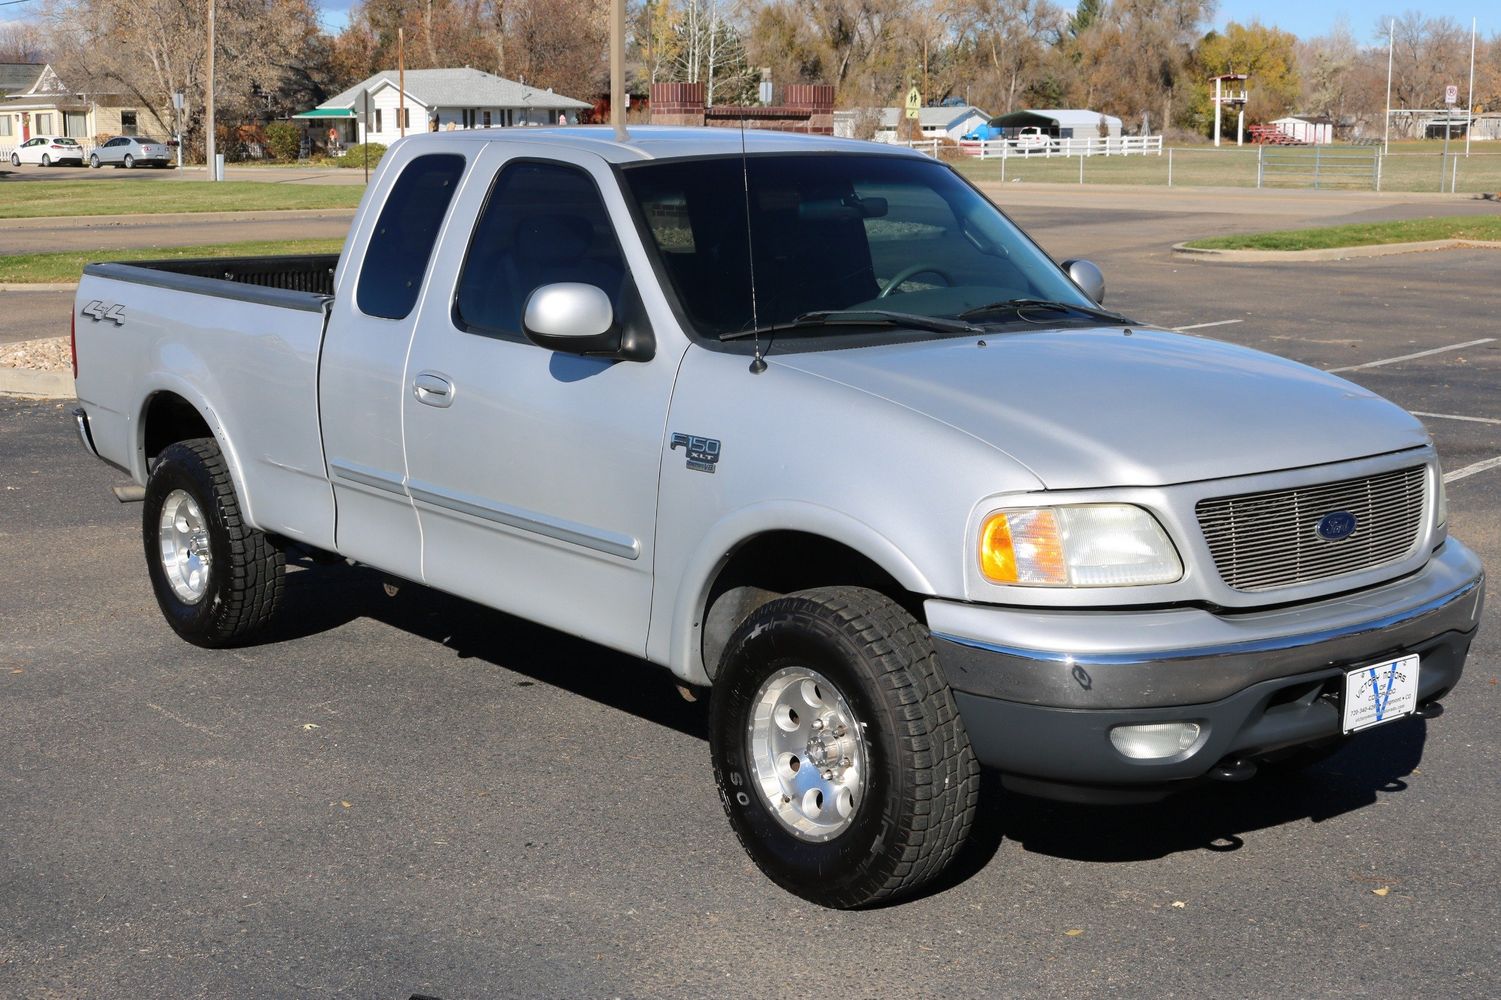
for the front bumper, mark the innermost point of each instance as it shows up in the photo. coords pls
(1039, 691)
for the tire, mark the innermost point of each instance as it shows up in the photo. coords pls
(919, 782)
(129, 161)
(94, 161)
(46, 160)
(235, 595)
(15, 159)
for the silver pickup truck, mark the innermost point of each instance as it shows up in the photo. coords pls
(813, 425)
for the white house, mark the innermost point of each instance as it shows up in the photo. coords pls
(948, 122)
(1314, 129)
(436, 99)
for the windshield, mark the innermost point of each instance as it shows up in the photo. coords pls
(833, 233)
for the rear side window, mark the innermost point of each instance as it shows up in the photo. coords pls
(544, 222)
(402, 243)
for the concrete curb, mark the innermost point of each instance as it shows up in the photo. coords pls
(1331, 253)
(40, 286)
(36, 385)
(99, 221)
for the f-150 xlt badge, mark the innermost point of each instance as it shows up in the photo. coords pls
(97, 311)
(703, 453)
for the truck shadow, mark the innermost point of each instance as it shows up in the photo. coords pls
(1210, 817)
(322, 598)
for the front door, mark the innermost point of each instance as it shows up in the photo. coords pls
(534, 473)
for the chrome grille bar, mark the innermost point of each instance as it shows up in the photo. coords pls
(1270, 540)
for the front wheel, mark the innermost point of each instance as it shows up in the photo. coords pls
(94, 161)
(840, 756)
(15, 159)
(217, 580)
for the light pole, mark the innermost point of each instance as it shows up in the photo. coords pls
(213, 160)
(617, 69)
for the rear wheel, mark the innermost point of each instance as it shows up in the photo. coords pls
(217, 580)
(841, 759)
(130, 161)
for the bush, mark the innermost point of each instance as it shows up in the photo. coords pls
(283, 140)
(354, 156)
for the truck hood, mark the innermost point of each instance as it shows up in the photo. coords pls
(1087, 408)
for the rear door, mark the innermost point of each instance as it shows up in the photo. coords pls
(535, 473)
(364, 354)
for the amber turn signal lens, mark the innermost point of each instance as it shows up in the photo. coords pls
(1023, 546)
(997, 558)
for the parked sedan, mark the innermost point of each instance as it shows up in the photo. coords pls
(131, 151)
(47, 150)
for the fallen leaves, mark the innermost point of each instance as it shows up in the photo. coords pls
(346, 805)
(1383, 890)
(1074, 931)
(1178, 904)
(310, 725)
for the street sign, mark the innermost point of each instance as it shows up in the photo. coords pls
(914, 102)
(177, 101)
(1451, 95)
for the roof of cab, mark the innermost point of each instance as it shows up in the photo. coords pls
(656, 142)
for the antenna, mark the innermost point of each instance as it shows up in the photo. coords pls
(758, 364)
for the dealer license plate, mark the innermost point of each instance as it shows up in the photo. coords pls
(1380, 692)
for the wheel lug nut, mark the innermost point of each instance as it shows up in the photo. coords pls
(828, 776)
(840, 730)
(817, 725)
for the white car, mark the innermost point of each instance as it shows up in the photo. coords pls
(1030, 138)
(131, 151)
(47, 150)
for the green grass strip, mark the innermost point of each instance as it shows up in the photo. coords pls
(32, 268)
(50, 199)
(1454, 227)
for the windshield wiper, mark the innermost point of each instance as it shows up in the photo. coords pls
(828, 317)
(1022, 304)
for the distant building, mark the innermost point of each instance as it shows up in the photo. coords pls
(1061, 123)
(35, 101)
(1315, 129)
(437, 99)
(947, 122)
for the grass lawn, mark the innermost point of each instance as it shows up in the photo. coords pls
(1362, 234)
(61, 267)
(36, 199)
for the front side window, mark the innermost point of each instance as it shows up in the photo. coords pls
(829, 233)
(402, 242)
(543, 223)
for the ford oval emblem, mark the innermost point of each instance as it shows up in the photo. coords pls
(1336, 525)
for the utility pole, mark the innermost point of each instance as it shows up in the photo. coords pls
(617, 70)
(213, 162)
(1391, 49)
(401, 81)
(1470, 102)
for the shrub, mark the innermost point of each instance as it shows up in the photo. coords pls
(283, 140)
(354, 156)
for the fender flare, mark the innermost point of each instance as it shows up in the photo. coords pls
(726, 536)
(158, 382)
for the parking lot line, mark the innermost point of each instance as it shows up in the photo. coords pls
(1200, 326)
(1409, 357)
(1470, 470)
(1455, 416)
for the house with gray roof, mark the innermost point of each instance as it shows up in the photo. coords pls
(947, 121)
(34, 101)
(436, 99)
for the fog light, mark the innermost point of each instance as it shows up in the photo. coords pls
(1155, 740)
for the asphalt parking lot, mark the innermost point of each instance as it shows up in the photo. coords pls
(412, 794)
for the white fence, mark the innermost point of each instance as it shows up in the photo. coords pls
(1002, 149)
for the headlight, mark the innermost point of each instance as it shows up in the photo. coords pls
(1091, 545)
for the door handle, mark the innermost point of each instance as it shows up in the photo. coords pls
(432, 389)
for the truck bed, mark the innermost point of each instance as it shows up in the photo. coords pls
(238, 340)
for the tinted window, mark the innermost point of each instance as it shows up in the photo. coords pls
(543, 222)
(404, 235)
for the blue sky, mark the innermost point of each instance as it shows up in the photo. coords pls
(1308, 20)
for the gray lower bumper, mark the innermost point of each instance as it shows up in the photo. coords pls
(1039, 691)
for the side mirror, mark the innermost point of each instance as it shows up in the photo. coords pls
(575, 318)
(1088, 277)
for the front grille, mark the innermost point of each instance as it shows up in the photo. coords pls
(1266, 541)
